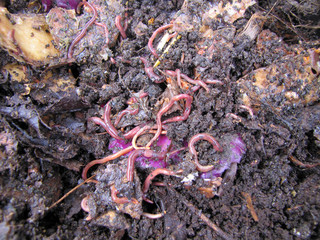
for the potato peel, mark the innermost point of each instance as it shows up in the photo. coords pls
(26, 37)
(287, 83)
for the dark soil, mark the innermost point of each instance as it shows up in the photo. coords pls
(46, 138)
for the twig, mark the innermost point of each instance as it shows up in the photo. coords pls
(272, 7)
(72, 190)
(200, 215)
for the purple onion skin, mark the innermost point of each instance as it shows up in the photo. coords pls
(47, 5)
(233, 150)
(142, 161)
(67, 4)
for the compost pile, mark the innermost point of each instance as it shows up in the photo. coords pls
(159, 119)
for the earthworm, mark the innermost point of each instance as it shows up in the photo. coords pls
(202, 83)
(99, 122)
(163, 110)
(234, 116)
(115, 198)
(106, 122)
(84, 204)
(137, 153)
(131, 159)
(177, 74)
(213, 81)
(152, 216)
(110, 128)
(154, 34)
(248, 109)
(85, 207)
(196, 82)
(124, 112)
(105, 30)
(138, 133)
(119, 26)
(85, 29)
(134, 99)
(150, 71)
(210, 139)
(132, 132)
(105, 159)
(151, 176)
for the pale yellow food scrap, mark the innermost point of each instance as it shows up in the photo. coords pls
(26, 37)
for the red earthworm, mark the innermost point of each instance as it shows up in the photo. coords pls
(119, 26)
(134, 99)
(150, 71)
(131, 159)
(159, 184)
(234, 116)
(84, 204)
(139, 132)
(186, 112)
(115, 198)
(124, 112)
(155, 33)
(85, 29)
(172, 36)
(112, 60)
(143, 95)
(177, 74)
(151, 176)
(213, 81)
(152, 216)
(137, 153)
(196, 82)
(132, 132)
(105, 30)
(210, 139)
(171, 73)
(110, 128)
(98, 121)
(248, 109)
(104, 160)
(176, 151)
(163, 110)
(85, 207)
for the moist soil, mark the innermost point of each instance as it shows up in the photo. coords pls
(46, 138)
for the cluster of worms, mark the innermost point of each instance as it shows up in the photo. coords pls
(159, 128)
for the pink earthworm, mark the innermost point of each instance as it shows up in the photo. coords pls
(151, 176)
(124, 112)
(210, 139)
(137, 153)
(150, 72)
(104, 160)
(106, 122)
(155, 33)
(85, 29)
(115, 198)
(122, 30)
(163, 110)
(105, 30)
